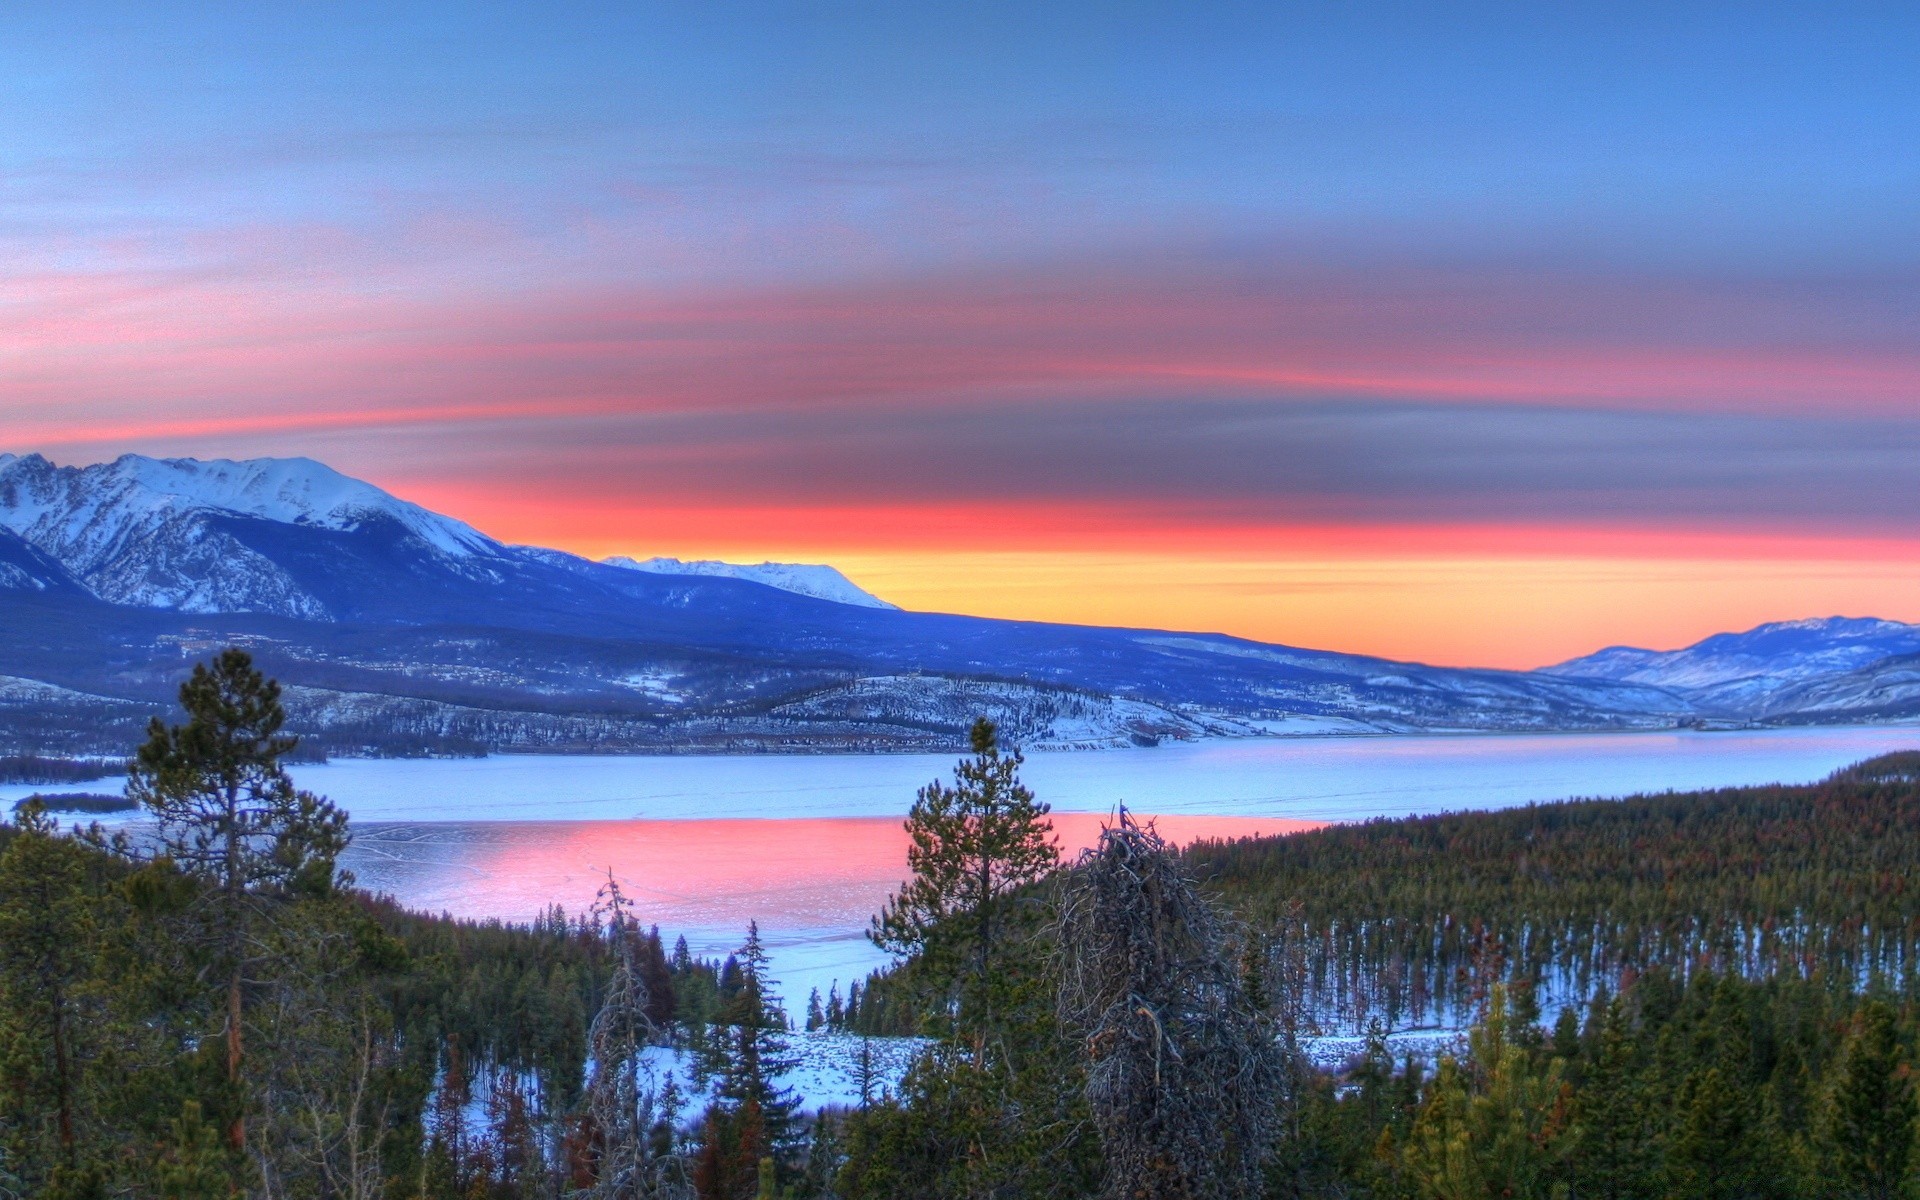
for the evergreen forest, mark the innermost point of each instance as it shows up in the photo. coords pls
(1705, 995)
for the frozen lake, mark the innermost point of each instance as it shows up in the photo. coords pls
(1310, 779)
(810, 845)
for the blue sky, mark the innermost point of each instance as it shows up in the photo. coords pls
(1419, 280)
(1670, 136)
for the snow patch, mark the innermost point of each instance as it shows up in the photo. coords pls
(656, 683)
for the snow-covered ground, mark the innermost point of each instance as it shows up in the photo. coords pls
(827, 1069)
(1422, 1045)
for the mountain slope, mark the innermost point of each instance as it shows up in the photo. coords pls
(181, 534)
(1886, 690)
(82, 507)
(1752, 672)
(23, 567)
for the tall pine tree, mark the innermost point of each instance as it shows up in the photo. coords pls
(754, 1117)
(230, 816)
(1865, 1136)
(973, 847)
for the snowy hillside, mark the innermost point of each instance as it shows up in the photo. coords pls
(83, 509)
(805, 579)
(154, 533)
(1888, 689)
(1747, 671)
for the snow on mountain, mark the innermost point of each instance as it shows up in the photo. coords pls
(147, 532)
(79, 506)
(806, 579)
(1886, 690)
(1747, 671)
(1035, 717)
(717, 655)
(25, 569)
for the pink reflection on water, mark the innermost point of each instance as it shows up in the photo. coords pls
(800, 873)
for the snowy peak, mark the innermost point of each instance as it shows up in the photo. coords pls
(159, 533)
(1763, 659)
(225, 536)
(69, 505)
(805, 579)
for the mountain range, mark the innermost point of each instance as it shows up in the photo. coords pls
(398, 630)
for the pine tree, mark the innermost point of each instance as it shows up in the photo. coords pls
(230, 816)
(758, 1051)
(445, 1170)
(1865, 1134)
(48, 952)
(974, 846)
(1613, 1135)
(193, 1165)
(753, 1116)
(657, 975)
(865, 1077)
(1491, 1126)
(1708, 1158)
(519, 1167)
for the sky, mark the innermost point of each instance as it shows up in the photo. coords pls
(1465, 333)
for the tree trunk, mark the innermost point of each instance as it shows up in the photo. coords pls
(63, 1072)
(984, 938)
(234, 885)
(237, 1134)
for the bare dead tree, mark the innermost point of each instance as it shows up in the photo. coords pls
(1184, 1078)
(623, 1102)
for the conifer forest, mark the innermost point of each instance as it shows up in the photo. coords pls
(1704, 995)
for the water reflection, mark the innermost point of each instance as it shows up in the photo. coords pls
(811, 882)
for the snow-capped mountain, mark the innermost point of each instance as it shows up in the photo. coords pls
(174, 533)
(1747, 672)
(803, 579)
(397, 630)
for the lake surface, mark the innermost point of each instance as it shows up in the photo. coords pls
(809, 845)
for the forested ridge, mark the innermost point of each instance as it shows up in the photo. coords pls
(1706, 995)
(1393, 915)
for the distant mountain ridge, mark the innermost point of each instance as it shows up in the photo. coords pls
(1752, 672)
(148, 532)
(398, 630)
(803, 579)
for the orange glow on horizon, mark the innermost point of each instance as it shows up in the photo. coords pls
(1508, 596)
(427, 393)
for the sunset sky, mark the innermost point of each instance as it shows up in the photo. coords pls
(1465, 333)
